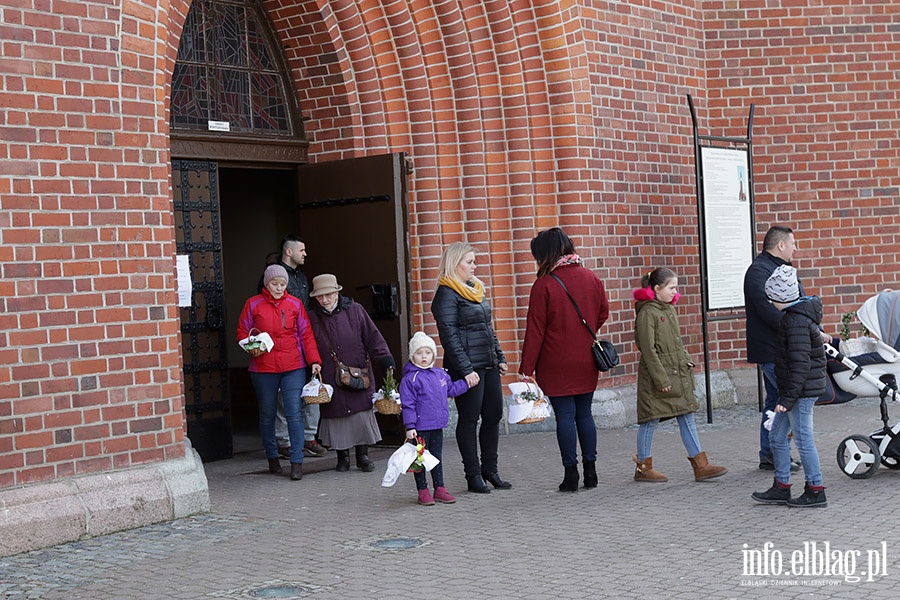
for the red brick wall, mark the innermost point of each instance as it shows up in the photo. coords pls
(575, 114)
(89, 359)
(823, 77)
(517, 115)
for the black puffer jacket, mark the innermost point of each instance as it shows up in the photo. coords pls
(762, 317)
(799, 353)
(466, 333)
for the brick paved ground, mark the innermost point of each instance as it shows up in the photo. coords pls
(622, 540)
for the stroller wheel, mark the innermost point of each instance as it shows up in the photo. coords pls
(858, 457)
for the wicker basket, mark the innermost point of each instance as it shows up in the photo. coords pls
(530, 420)
(321, 398)
(388, 406)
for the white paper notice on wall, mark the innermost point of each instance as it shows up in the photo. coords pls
(183, 280)
(218, 126)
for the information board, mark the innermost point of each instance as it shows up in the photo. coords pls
(728, 238)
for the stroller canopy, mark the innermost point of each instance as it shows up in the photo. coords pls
(881, 316)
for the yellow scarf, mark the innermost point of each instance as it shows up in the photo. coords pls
(474, 294)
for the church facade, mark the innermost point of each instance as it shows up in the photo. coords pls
(148, 144)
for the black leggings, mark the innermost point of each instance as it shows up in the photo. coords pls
(484, 401)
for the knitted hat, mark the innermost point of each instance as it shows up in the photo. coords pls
(782, 285)
(421, 340)
(273, 271)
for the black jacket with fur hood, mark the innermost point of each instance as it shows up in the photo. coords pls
(799, 352)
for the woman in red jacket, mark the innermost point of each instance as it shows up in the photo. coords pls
(557, 347)
(283, 366)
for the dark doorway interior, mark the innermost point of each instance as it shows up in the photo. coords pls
(363, 243)
(259, 207)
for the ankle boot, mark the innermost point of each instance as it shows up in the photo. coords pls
(779, 493)
(274, 466)
(296, 471)
(362, 459)
(813, 496)
(343, 463)
(703, 470)
(476, 484)
(590, 474)
(644, 471)
(570, 480)
(494, 480)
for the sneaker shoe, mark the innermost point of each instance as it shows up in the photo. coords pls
(779, 493)
(768, 465)
(313, 448)
(442, 495)
(812, 497)
(425, 498)
(284, 452)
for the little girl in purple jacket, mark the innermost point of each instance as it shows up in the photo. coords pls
(424, 393)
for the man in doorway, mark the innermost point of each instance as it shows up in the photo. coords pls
(762, 324)
(293, 255)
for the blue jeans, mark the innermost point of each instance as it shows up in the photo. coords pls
(266, 386)
(575, 423)
(799, 420)
(768, 371)
(434, 443)
(686, 426)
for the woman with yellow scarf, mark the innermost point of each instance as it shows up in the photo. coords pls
(471, 352)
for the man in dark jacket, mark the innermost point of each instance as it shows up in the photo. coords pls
(763, 320)
(293, 255)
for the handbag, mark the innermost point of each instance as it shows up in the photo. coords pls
(604, 353)
(352, 378)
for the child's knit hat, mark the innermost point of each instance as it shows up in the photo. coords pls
(782, 285)
(272, 272)
(421, 340)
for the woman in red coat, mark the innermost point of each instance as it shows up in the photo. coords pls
(557, 348)
(283, 366)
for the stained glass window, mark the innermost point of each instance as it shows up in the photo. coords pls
(227, 70)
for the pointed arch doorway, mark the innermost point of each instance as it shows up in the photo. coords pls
(241, 181)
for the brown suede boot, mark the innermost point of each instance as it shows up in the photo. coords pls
(644, 471)
(703, 470)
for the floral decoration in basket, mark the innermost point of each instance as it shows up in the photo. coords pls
(387, 398)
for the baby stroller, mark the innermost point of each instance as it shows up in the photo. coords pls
(872, 371)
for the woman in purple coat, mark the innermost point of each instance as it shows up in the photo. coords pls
(424, 393)
(345, 332)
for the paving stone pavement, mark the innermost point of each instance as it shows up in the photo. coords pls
(343, 536)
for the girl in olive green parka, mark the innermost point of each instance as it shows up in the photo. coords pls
(665, 387)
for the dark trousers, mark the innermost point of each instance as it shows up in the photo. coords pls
(574, 424)
(484, 401)
(434, 443)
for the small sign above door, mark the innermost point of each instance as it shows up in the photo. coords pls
(218, 125)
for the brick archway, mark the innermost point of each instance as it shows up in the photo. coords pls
(480, 94)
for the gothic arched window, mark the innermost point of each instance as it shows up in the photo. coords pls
(229, 70)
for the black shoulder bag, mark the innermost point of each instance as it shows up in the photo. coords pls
(605, 355)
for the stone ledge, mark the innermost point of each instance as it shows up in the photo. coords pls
(48, 514)
(614, 408)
